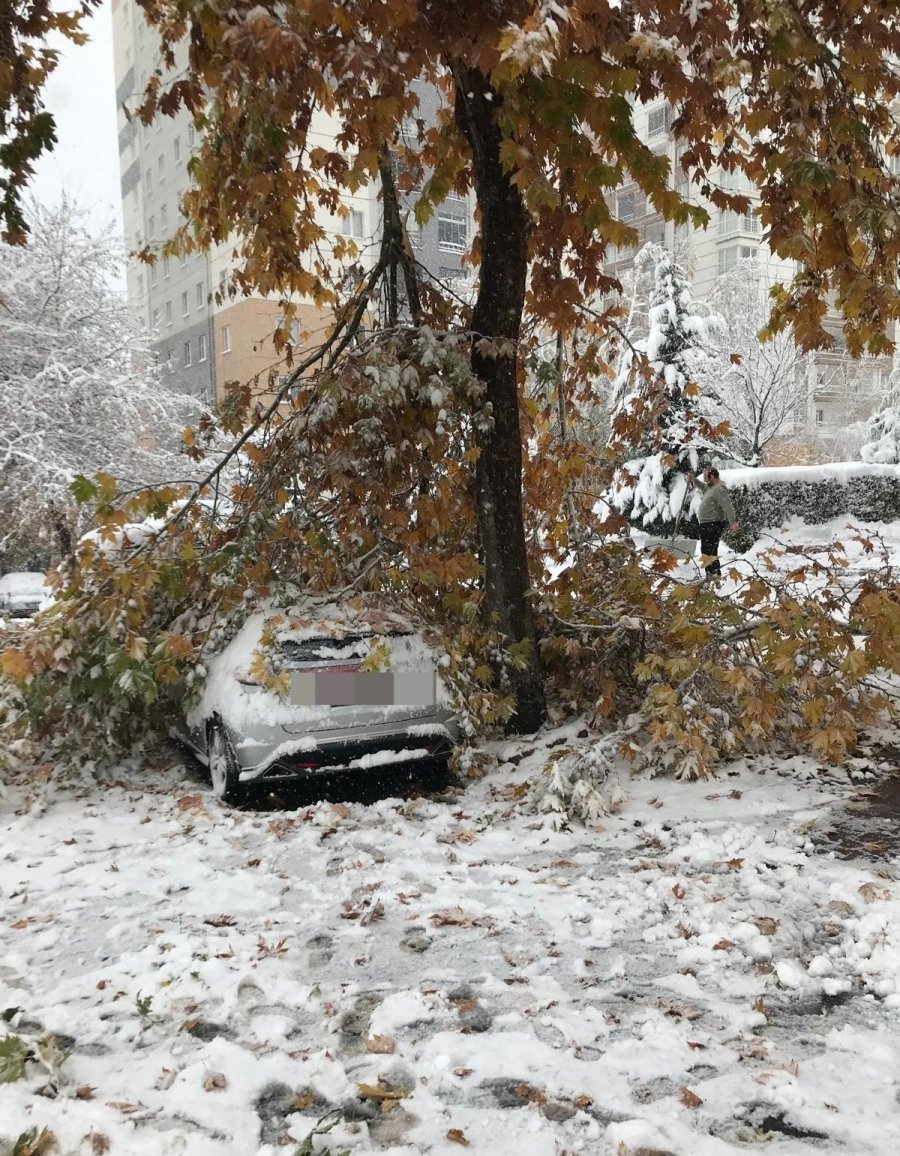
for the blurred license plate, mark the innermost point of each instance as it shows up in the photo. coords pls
(363, 688)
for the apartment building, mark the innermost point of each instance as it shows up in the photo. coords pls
(203, 336)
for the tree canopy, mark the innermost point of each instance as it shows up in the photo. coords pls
(27, 58)
(408, 458)
(80, 392)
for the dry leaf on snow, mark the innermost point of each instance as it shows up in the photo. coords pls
(381, 1092)
(690, 1099)
(214, 1082)
(380, 1045)
(189, 803)
(766, 924)
(220, 921)
(458, 1137)
(456, 917)
(36, 1143)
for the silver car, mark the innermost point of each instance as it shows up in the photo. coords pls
(21, 593)
(314, 690)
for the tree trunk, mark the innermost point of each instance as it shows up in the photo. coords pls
(62, 531)
(496, 320)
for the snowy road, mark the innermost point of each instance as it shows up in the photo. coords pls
(692, 978)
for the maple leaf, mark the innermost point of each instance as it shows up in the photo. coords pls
(381, 1045)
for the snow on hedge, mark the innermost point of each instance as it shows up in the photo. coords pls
(841, 472)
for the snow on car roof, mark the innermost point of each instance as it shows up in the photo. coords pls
(22, 582)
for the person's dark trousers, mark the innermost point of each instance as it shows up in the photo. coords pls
(710, 534)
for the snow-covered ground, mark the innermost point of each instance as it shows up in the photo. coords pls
(697, 974)
(790, 547)
(693, 976)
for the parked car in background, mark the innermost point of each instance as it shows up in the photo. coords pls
(21, 593)
(318, 689)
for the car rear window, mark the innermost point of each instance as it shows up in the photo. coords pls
(352, 647)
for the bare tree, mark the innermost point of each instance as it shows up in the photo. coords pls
(763, 388)
(80, 392)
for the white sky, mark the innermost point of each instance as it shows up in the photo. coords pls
(85, 162)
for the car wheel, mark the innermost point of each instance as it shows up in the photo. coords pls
(223, 767)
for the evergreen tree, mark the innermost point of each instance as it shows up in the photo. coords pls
(882, 442)
(659, 429)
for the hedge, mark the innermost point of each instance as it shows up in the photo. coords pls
(770, 497)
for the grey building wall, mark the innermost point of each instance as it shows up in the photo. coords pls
(174, 295)
(440, 243)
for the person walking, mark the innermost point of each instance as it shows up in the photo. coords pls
(715, 514)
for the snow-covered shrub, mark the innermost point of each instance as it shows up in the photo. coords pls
(882, 444)
(575, 783)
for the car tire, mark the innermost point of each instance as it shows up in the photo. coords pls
(224, 773)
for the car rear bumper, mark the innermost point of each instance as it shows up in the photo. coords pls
(359, 756)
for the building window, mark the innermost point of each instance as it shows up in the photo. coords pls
(226, 339)
(731, 254)
(658, 120)
(185, 308)
(446, 273)
(170, 361)
(294, 338)
(408, 178)
(151, 228)
(731, 222)
(153, 275)
(161, 167)
(176, 148)
(155, 319)
(452, 234)
(352, 225)
(140, 284)
(414, 232)
(820, 417)
(164, 218)
(654, 233)
(625, 206)
(187, 354)
(183, 260)
(166, 269)
(201, 296)
(191, 135)
(201, 347)
(168, 313)
(223, 277)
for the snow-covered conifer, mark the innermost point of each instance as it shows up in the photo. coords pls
(658, 426)
(882, 437)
